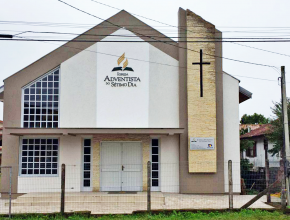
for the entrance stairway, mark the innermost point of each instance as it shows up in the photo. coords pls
(88, 201)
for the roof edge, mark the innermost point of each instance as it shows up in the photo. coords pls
(231, 76)
(245, 92)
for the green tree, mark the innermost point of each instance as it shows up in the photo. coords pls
(254, 119)
(244, 131)
(276, 135)
(246, 166)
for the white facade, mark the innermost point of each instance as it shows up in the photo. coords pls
(70, 154)
(158, 108)
(153, 103)
(169, 163)
(259, 160)
(78, 80)
(150, 102)
(231, 130)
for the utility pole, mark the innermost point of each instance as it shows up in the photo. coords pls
(285, 150)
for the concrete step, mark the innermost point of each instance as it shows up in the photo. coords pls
(83, 204)
(109, 198)
(87, 199)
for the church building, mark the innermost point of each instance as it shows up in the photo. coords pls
(116, 97)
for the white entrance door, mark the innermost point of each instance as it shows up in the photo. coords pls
(111, 166)
(132, 167)
(121, 166)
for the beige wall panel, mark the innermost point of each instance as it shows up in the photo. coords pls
(201, 110)
(96, 165)
(10, 157)
(145, 139)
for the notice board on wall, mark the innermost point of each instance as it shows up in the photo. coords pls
(202, 143)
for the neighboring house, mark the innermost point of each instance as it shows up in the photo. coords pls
(249, 127)
(108, 108)
(257, 154)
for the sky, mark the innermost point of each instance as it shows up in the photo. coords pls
(247, 18)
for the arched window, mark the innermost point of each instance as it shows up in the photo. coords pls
(41, 102)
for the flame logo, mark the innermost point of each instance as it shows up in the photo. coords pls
(121, 58)
(125, 64)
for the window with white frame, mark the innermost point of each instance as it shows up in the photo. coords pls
(41, 102)
(39, 156)
(155, 162)
(87, 163)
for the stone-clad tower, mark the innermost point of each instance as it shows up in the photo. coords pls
(200, 116)
(201, 110)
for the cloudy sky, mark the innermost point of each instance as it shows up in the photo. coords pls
(247, 18)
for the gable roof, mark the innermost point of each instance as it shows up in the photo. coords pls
(244, 94)
(96, 34)
(261, 131)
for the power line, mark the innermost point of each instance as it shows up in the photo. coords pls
(134, 36)
(147, 61)
(79, 24)
(187, 29)
(163, 42)
(139, 15)
(182, 28)
(72, 33)
(251, 27)
(257, 78)
(135, 14)
(285, 37)
(135, 41)
(152, 41)
(152, 30)
(131, 58)
(66, 25)
(263, 50)
(65, 33)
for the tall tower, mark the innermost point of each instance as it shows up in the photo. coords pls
(201, 104)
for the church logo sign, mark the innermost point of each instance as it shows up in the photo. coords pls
(121, 75)
(125, 64)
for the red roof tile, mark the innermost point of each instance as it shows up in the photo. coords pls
(251, 126)
(262, 130)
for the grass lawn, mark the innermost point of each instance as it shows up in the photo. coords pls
(242, 215)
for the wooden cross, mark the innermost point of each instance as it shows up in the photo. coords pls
(201, 63)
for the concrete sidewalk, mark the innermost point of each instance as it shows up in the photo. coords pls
(104, 203)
